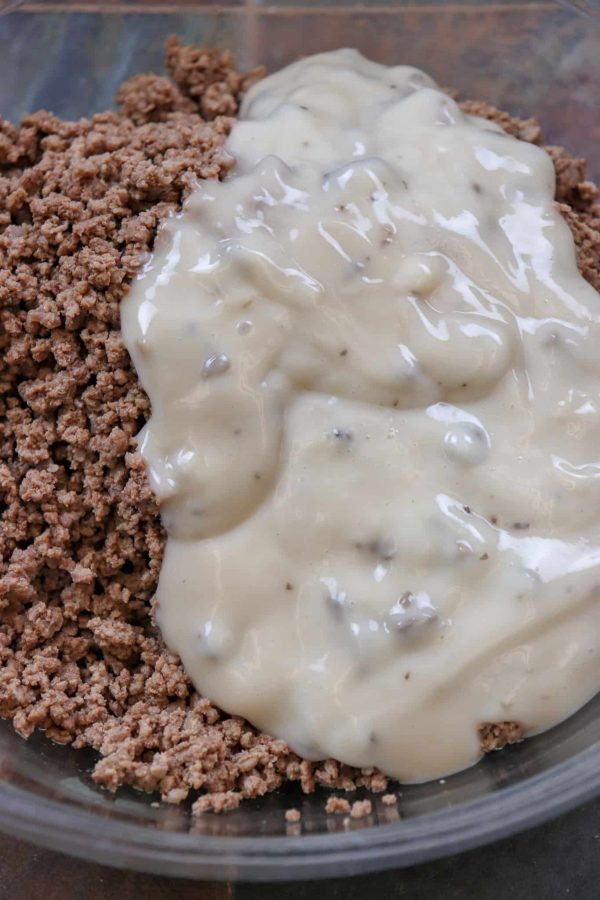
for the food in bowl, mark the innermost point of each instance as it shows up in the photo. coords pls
(369, 415)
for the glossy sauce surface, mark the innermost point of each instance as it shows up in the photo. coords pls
(375, 437)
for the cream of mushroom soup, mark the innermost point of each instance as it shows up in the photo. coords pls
(375, 383)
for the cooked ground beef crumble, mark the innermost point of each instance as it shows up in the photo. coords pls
(81, 541)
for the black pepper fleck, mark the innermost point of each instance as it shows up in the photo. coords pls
(342, 434)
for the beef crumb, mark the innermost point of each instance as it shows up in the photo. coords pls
(337, 805)
(293, 815)
(81, 542)
(496, 735)
(360, 809)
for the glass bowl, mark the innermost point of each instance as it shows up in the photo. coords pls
(537, 59)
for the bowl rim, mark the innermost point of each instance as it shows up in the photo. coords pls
(79, 832)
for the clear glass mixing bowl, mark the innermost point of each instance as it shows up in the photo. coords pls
(528, 58)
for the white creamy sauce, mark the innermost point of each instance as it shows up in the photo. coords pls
(375, 438)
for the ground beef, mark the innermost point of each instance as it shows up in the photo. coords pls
(496, 735)
(81, 541)
(335, 805)
(360, 809)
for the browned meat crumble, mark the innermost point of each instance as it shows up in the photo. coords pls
(335, 805)
(81, 541)
(496, 735)
(360, 809)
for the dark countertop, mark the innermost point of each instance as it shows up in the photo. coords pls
(559, 859)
